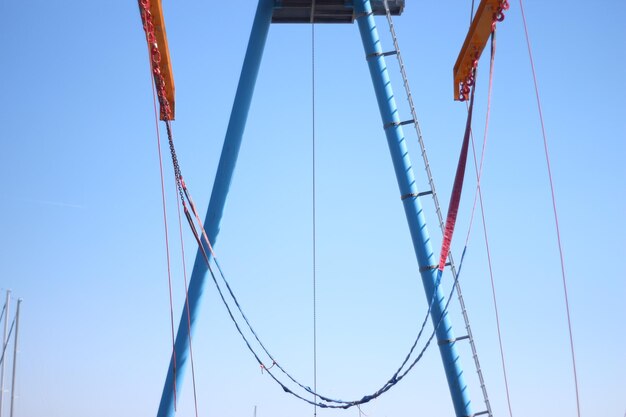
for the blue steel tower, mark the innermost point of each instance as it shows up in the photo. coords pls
(340, 11)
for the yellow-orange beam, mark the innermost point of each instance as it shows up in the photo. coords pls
(475, 42)
(165, 64)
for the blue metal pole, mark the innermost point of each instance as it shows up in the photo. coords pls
(412, 205)
(223, 177)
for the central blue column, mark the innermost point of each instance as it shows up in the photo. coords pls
(412, 205)
(223, 177)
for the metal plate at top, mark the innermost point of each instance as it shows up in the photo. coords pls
(327, 11)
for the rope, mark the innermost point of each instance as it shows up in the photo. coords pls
(556, 217)
(479, 197)
(313, 185)
(193, 368)
(482, 211)
(167, 244)
(159, 82)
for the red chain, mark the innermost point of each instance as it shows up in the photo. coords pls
(159, 80)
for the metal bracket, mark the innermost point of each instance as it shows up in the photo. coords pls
(428, 268)
(447, 341)
(431, 267)
(377, 54)
(422, 194)
(394, 124)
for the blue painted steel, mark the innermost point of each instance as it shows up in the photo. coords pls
(223, 176)
(412, 205)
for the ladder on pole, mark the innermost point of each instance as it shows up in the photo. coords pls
(414, 121)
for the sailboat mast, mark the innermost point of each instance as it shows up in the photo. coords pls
(17, 327)
(4, 342)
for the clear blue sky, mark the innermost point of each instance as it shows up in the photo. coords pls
(81, 233)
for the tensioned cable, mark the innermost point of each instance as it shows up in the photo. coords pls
(167, 240)
(3, 310)
(479, 197)
(313, 185)
(556, 217)
(193, 368)
(166, 111)
(182, 191)
(4, 347)
(169, 274)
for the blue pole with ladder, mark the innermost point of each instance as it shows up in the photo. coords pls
(412, 206)
(223, 177)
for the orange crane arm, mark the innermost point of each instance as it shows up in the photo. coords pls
(488, 13)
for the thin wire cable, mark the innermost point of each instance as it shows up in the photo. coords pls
(4, 347)
(472, 13)
(556, 217)
(167, 244)
(314, 205)
(193, 368)
(479, 197)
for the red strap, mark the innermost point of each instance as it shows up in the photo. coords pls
(455, 198)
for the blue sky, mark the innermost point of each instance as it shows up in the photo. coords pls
(81, 233)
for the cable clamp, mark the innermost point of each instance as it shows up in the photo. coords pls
(379, 54)
(396, 124)
(413, 195)
(447, 341)
(263, 367)
(431, 267)
(428, 268)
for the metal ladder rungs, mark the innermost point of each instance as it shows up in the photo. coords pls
(438, 211)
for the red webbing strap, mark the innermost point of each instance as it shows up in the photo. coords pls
(457, 188)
